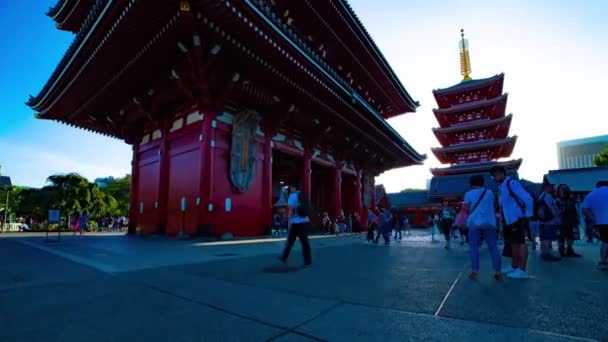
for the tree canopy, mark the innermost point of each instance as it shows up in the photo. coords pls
(411, 190)
(601, 159)
(72, 194)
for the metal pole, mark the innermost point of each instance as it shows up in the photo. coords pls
(6, 208)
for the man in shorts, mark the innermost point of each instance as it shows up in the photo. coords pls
(516, 206)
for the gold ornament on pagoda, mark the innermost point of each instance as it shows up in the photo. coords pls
(465, 59)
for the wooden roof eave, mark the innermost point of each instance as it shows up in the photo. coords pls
(471, 85)
(341, 85)
(92, 20)
(379, 57)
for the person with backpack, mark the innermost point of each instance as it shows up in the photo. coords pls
(548, 215)
(569, 222)
(481, 224)
(516, 206)
(298, 222)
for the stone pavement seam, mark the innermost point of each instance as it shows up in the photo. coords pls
(447, 295)
(293, 329)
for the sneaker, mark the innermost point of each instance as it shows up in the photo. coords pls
(499, 277)
(518, 274)
(447, 245)
(473, 276)
(508, 269)
(602, 266)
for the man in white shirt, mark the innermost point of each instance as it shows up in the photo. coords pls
(516, 206)
(595, 208)
(297, 226)
(481, 223)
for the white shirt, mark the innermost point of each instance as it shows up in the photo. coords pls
(483, 217)
(597, 202)
(292, 202)
(508, 204)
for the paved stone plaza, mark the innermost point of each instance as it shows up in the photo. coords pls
(116, 288)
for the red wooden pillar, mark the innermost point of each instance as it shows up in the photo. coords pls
(134, 191)
(337, 192)
(373, 195)
(163, 187)
(359, 207)
(267, 182)
(207, 157)
(306, 172)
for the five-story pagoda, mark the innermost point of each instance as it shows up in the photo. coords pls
(473, 131)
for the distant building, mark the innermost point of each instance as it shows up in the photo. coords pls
(103, 182)
(580, 180)
(579, 153)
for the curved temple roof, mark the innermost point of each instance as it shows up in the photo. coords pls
(474, 125)
(48, 95)
(356, 22)
(470, 85)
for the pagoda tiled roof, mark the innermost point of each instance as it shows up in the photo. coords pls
(475, 145)
(469, 85)
(472, 105)
(579, 180)
(411, 199)
(474, 125)
(458, 185)
(477, 167)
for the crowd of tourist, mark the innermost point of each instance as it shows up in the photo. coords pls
(553, 217)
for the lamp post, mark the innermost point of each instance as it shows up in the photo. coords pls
(6, 207)
(5, 182)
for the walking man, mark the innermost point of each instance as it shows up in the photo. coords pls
(595, 208)
(516, 206)
(298, 222)
(481, 224)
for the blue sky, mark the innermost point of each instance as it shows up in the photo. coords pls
(554, 55)
(31, 149)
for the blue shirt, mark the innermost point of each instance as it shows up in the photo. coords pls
(597, 202)
(292, 202)
(508, 204)
(483, 217)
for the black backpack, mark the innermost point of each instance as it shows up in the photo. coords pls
(541, 210)
(303, 209)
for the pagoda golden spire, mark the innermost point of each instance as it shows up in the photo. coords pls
(465, 59)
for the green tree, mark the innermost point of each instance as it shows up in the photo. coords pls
(119, 189)
(601, 159)
(15, 197)
(411, 190)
